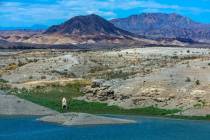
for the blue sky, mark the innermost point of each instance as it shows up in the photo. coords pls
(27, 13)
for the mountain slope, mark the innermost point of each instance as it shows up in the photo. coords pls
(87, 25)
(159, 25)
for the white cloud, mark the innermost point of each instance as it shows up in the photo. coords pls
(37, 13)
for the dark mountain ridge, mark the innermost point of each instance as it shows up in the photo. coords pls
(88, 25)
(160, 25)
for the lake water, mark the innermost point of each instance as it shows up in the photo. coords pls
(28, 128)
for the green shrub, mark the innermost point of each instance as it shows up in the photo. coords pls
(188, 79)
(30, 77)
(197, 82)
(43, 77)
(3, 81)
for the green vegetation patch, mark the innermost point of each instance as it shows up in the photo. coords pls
(4, 84)
(103, 108)
(51, 97)
(3, 81)
(207, 117)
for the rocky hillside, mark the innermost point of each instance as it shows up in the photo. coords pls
(87, 25)
(159, 25)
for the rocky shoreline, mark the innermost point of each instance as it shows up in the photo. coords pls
(12, 105)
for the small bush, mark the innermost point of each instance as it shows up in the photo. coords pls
(116, 74)
(197, 82)
(20, 63)
(3, 81)
(43, 77)
(188, 79)
(175, 57)
(120, 55)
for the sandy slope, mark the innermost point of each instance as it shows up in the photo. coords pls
(12, 105)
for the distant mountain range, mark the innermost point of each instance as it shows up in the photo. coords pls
(146, 29)
(148, 25)
(89, 25)
(30, 28)
(159, 25)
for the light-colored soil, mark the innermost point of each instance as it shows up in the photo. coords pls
(12, 105)
(83, 119)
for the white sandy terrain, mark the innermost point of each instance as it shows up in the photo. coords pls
(12, 105)
(83, 119)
